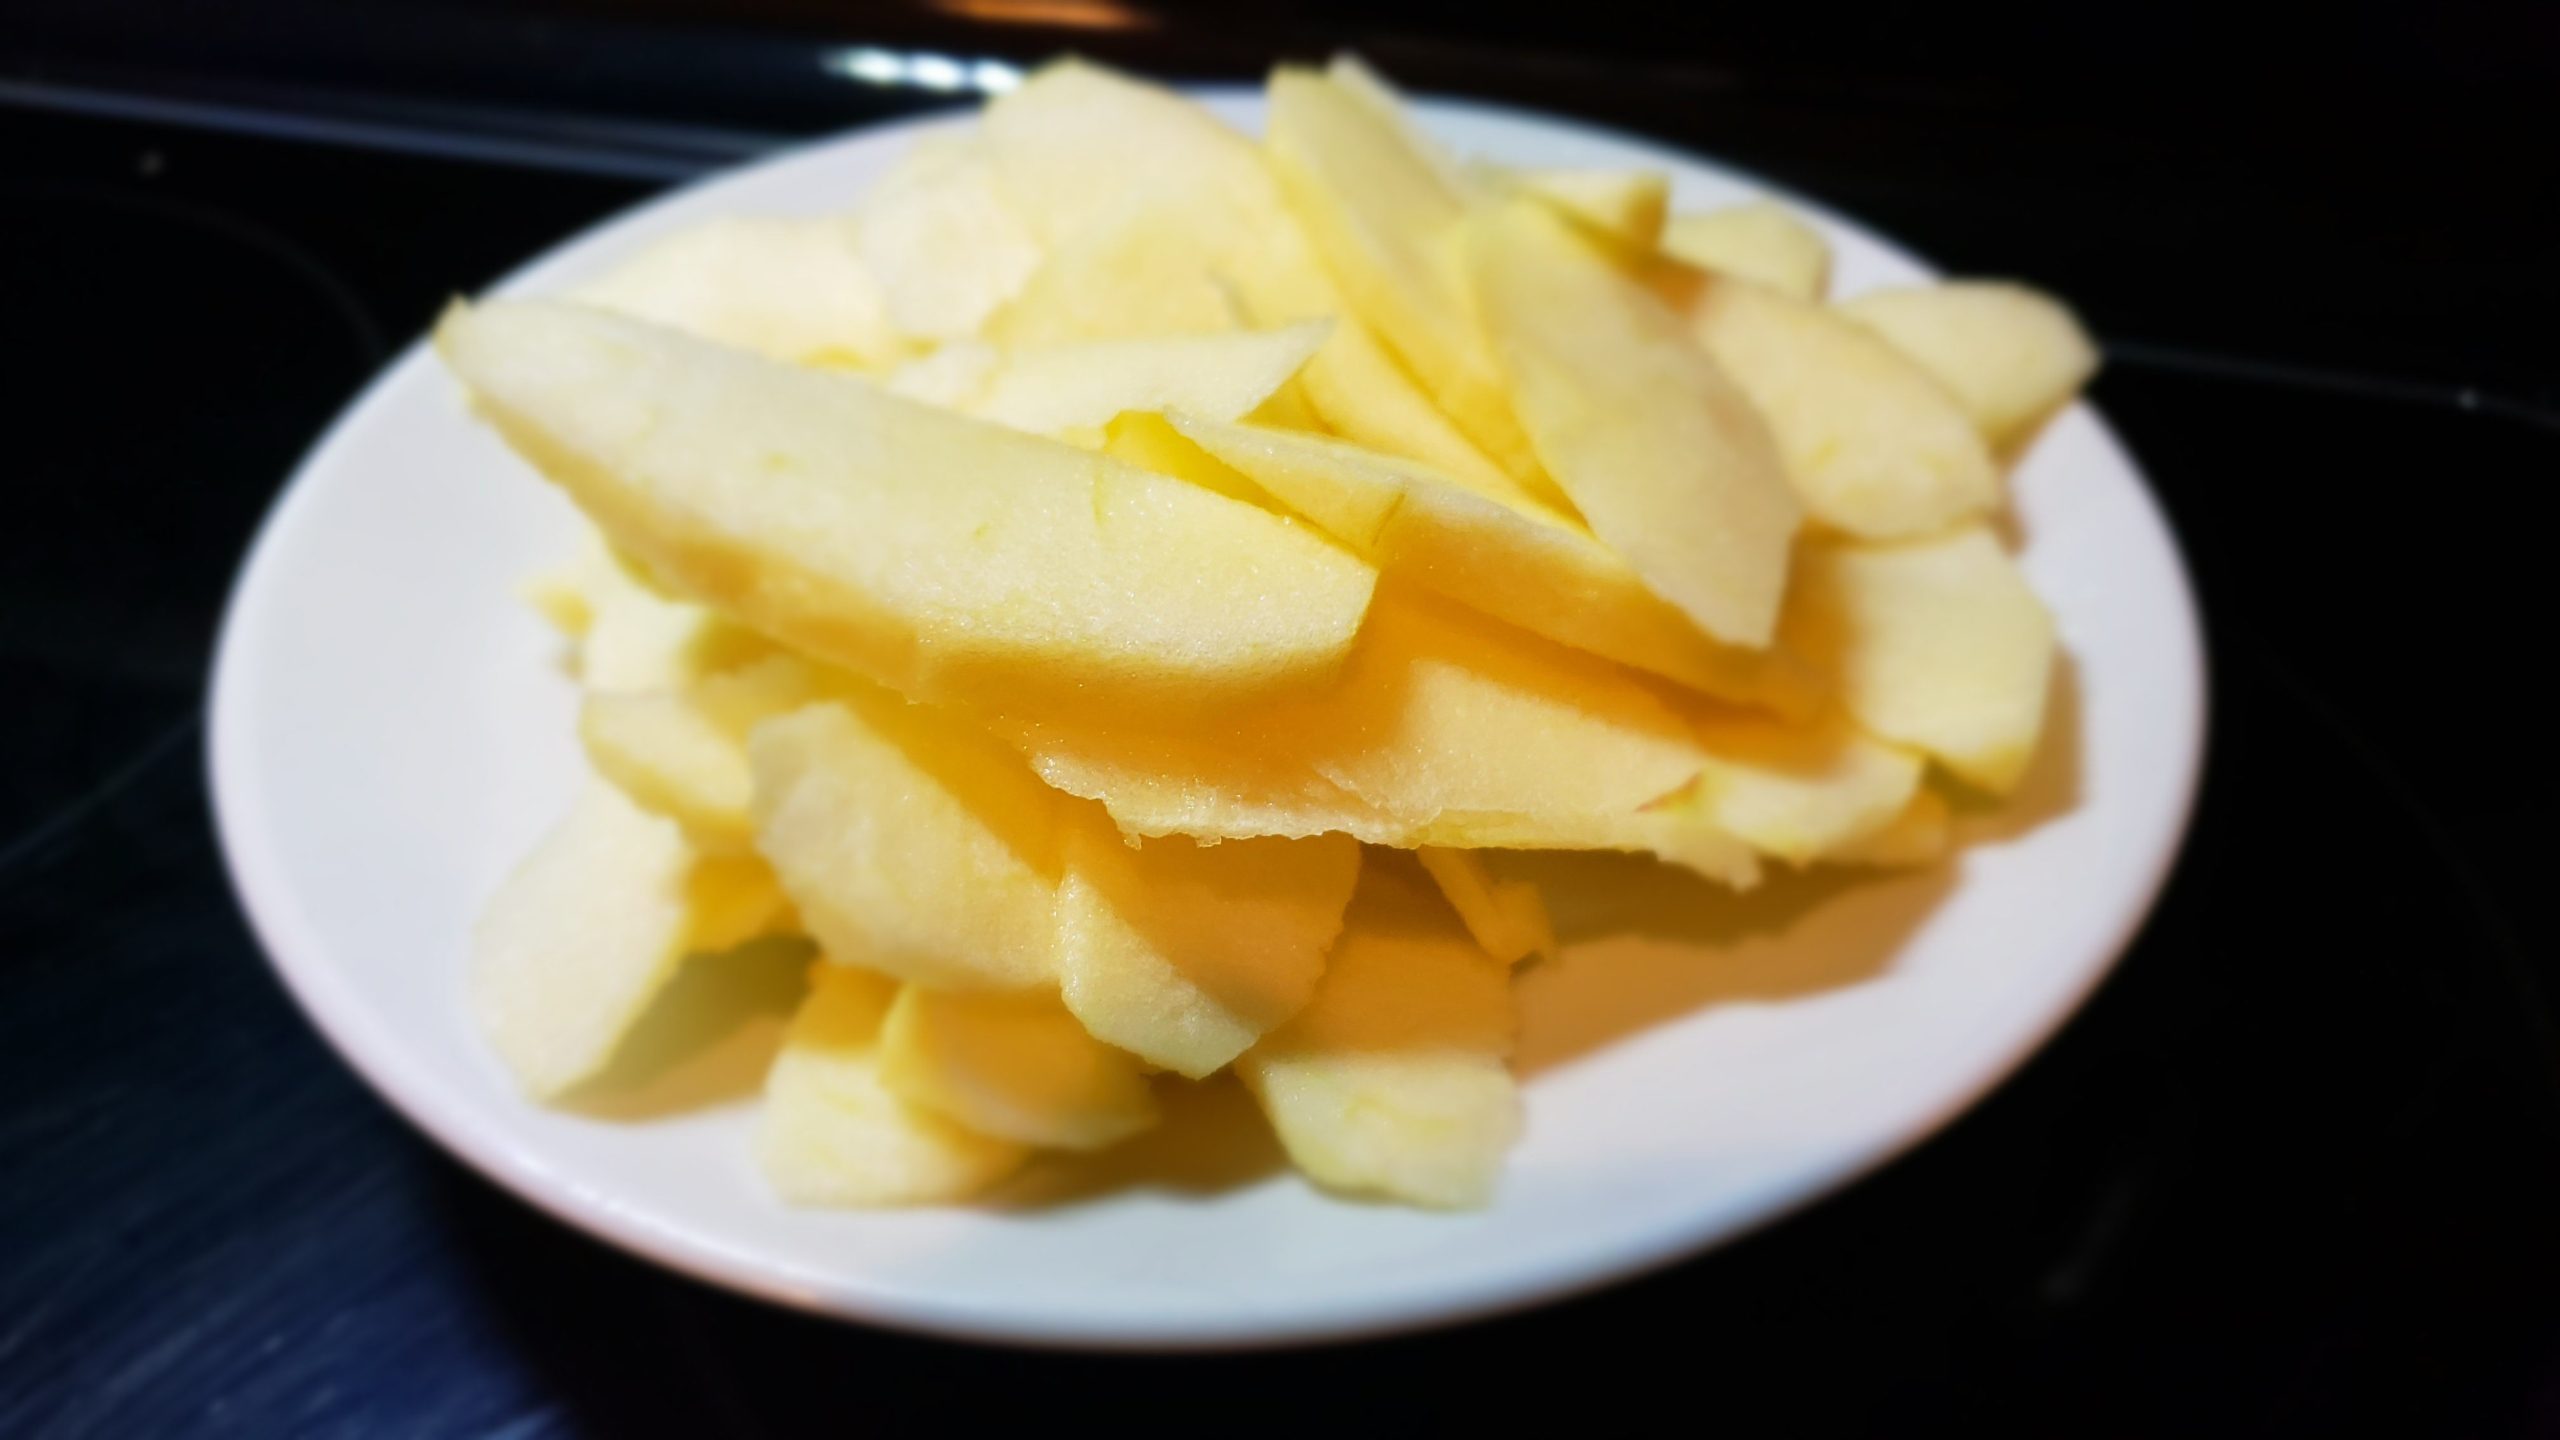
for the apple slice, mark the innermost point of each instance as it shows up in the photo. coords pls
(1801, 792)
(938, 554)
(1056, 389)
(683, 753)
(1503, 554)
(1937, 643)
(1392, 1081)
(1386, 222)
(1920, 835)
(1627, 206)
(831, 1133)
(1762, 242)
(1875, 446)
(1187, 953)
(1662, 454)
(792, 289)
(1445, 729)
(911, 845)
(1016, 1068)
(588, 929)
(2011, 354)
(1507, 917)
(943, 240)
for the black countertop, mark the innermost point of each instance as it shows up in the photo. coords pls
(2296, 1169)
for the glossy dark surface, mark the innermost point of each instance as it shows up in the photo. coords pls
(2296, 1170)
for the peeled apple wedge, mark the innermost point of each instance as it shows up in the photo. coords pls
(1445, 729)
(588, 929)
(909, 844)
(1387, 225)
(1502, 554)
(1799, 792)
(1628, 206)
(683, 753)
(791, 289)
(1392, 1081)
(1936, 643)
(935, 553)
(1055, 389)
(1185, 953)
(1662, 454)
(832, 1133)
(1162, 220)
(2011, 354)
(1920, 834)
(942, 239)
(1508, 918)
(1014, 1068)
(1875, 446)
(1762, 242)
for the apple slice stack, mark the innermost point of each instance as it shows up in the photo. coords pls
(1059, 588)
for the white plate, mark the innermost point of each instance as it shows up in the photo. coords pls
(390, 732)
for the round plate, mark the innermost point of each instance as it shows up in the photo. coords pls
(391, 731)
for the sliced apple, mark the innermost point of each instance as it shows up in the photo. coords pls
(588, 929)
(1186, 953)
(1921, 834)
(935, 553)
(1051, 390)
(1762, 242)
(1387, 225)
(1799, 792)
(910, 844)
(1936, 643)
(1502, 554)
(1016, 1068)
(792, 289)
(831, 1133)
(683, 753)
(1507, 917)
(2011, 354)
(1875, 447)
(1445, 729)
(1392, 1081)
(943, 240)
(1661, 453)
(1627, 206)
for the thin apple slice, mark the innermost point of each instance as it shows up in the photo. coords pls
(910, 844)
(1875, 447)
(1056, 389)
(1187, 953)
(1507, 917)
(943, 240)
(1627, 206)
(792, 289)
(1502, 554)
(1661, 453)
(1763, 242)
(1017, 1068)
(2011, 354)
(683, 753)
(1937, 643)
(1920, 835)
(831, 1133)
(1799, 792)
(1445, 729)
(1393, 1080)
(1387, 225)
(589, 928)
(938, 554)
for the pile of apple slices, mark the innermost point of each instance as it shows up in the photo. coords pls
(1060, 587)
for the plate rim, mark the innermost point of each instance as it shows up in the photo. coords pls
(330, 1002)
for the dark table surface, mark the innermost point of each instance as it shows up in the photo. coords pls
(2295, 1170)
